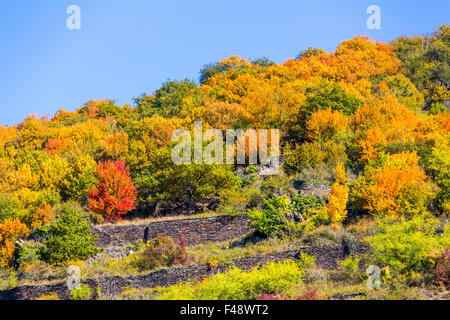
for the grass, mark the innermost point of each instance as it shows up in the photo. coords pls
(140, 221)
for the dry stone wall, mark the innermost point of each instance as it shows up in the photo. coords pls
(196, 231)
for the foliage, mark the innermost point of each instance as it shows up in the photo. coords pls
(272, 217)
(69, 238)
(408, 247)
(394, 185)
(10, 232)
(163, 251)
(8, 206)
(425, 60)
(50, 296)
(441, 273)
(310, 52)
(350, 263)
(304, 205)
(337, 200)
(115, 193)
(84, 292)
(166, 101)
(236, 284)
(188, 184)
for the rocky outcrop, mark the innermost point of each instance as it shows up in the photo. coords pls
(319, 191)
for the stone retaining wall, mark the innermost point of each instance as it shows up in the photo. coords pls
(196, 231)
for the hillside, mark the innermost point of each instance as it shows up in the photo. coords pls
(365, 152)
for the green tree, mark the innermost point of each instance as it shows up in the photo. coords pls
(166, 101)
(69, 238)
(425, 60)
(183, 184)
(323, 96)
(309, 53)
(191, 183)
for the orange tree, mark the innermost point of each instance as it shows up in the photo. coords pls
(10, 232)
(393, 185)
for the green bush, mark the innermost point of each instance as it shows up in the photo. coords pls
(251, 169)
(83, 292)
(271, 218)
(304, 205)
(436, 108)
(407, 247)
(236, 284)
(69, 238)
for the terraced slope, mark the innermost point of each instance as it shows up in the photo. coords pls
(110, 287)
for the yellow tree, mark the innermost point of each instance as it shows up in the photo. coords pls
(337, 200)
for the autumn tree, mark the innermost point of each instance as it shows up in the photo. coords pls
(393, 185)
(326, 124)
(115, 193)
(10, 232)
(337, 200)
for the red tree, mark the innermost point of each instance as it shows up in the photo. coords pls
(115, 193)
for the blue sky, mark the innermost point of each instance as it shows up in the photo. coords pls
(126, 48)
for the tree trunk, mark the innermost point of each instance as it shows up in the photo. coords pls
(190, 200)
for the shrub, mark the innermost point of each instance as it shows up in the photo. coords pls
(350, 264)
(251, 169)
(408, 247)
(309, 294)
(42, 215)
(236, 284)
(272, 217)
(304, 205)
(83, 292)
(69, 238)
(275, 296)
(163, 251)
(50, 296)
(349, 243)
(441, 273)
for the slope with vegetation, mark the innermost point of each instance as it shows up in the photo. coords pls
(370, 120)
